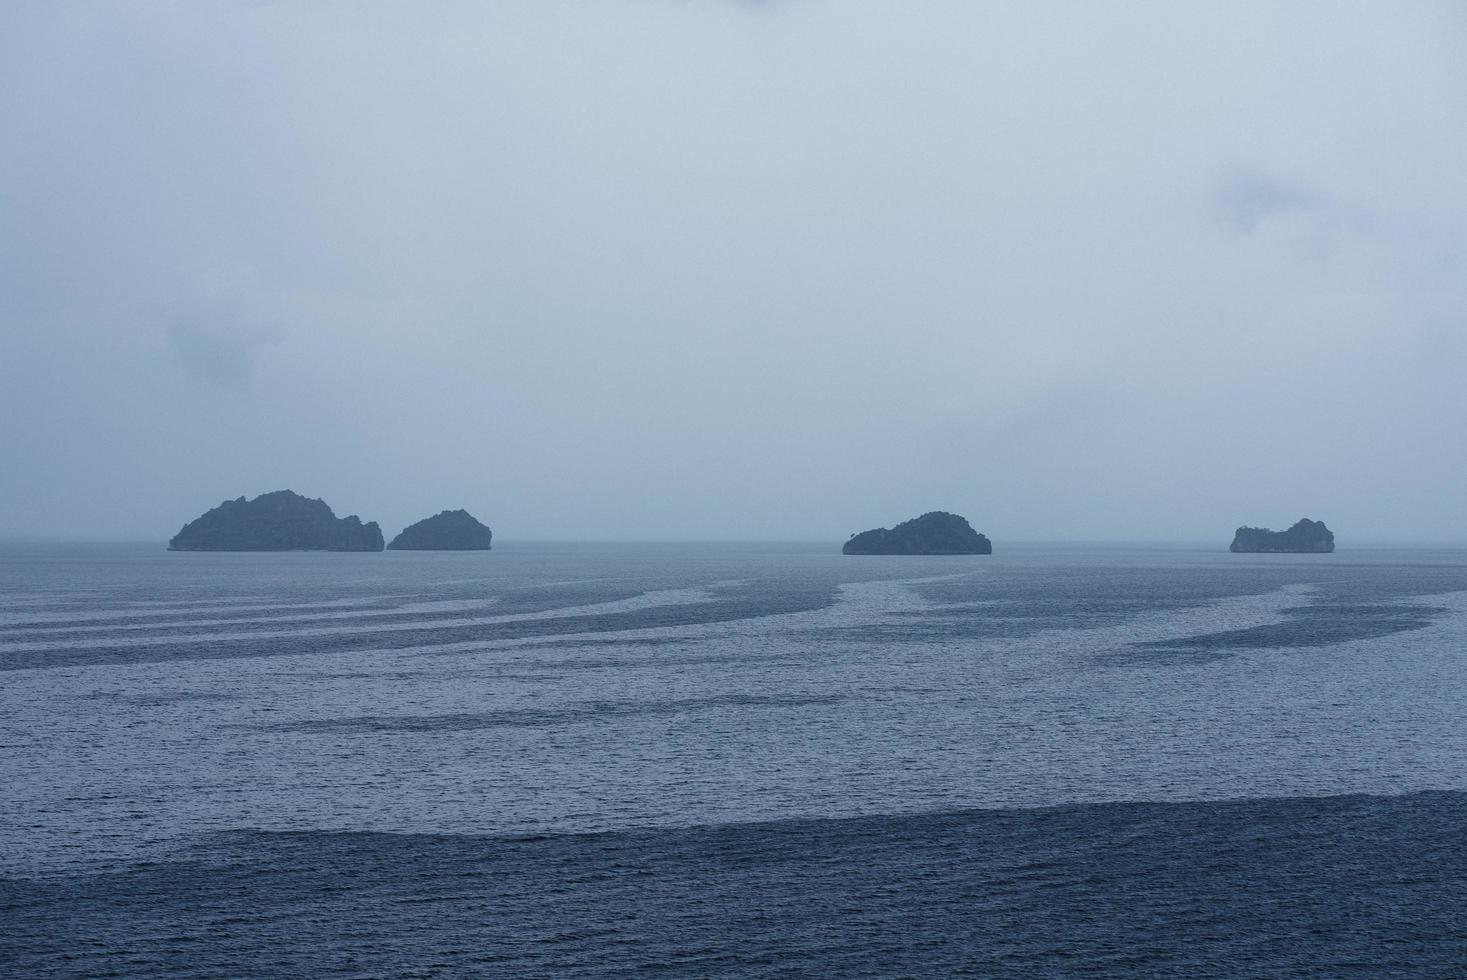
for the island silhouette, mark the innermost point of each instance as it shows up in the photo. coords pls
(449, 530)
(1305, 537)
(282, 520)
(934, 533)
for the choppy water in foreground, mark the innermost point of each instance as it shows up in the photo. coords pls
(703, 759)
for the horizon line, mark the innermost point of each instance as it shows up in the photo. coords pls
(1359, 543)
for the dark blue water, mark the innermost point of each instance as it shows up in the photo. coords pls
(593, 760)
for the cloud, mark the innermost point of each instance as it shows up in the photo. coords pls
(218, 355)
(1246, 198)
(221, 326)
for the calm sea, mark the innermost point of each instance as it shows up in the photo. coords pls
(599, 760)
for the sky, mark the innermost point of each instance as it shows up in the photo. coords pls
(706, 269)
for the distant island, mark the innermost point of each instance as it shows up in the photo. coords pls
(934, 533)
(449, 530)
(278, 521)
(1305, 537)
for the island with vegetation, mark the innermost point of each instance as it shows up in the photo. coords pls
(1305, 537)
(278, 521)
(449, 530)
(934, 533)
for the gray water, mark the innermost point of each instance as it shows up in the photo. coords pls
(171, 724)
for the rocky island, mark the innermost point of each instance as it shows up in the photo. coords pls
(934, 533)
(1305, 537)
(278, 521)
(449, 530)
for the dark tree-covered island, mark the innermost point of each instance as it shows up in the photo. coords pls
(278, 521)
(1305, 537)
(934, 533)
(449, 530)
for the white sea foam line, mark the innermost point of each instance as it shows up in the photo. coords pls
(412, 608)
(879, 599)
(1224, 616)
(873, 603)
(138, 610)
(876, 598)
(648, 600)
(256, 600)
(1228, 613)
(519, 584)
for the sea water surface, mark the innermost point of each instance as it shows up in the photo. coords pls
(732, 759)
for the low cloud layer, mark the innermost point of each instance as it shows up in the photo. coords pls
(217, 355)
(219, 330)
(1247, 197)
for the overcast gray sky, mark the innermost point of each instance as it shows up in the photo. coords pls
(712, 269)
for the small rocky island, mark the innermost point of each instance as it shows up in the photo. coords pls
(278, 521)
(934, 533)
(449, 530)
(1305, 537)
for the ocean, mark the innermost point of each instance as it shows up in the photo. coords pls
(715, 759)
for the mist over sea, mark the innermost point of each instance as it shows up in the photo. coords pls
(707, 759)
